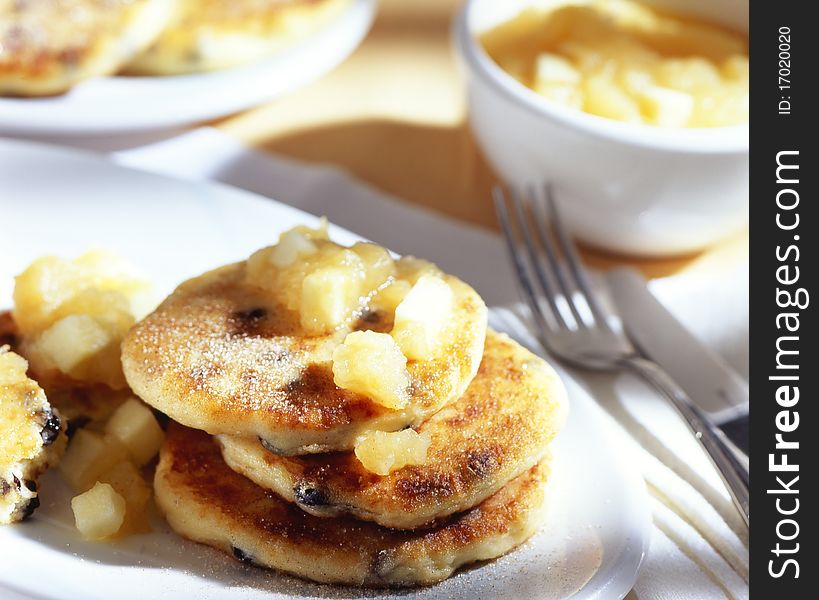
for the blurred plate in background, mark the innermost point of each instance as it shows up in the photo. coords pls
(117, 105)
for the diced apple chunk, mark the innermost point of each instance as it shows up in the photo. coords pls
(128, 482)
(392, 295)
(134, 425)
(39, 291)
(110, 309)
(71, 340)
(378, 265)
(99, 512)
(372, 364)
(89, 454)
(328, 298)
(604, 98)
(689, 74)
(634, 80)
(551, 69)
(666, 107)
(381, 452)
(422, 316)
(292, 245)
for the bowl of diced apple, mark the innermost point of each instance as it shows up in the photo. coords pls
(635, 112)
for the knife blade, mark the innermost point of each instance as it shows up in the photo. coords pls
(709, 381)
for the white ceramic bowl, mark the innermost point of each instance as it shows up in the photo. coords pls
(629, 188)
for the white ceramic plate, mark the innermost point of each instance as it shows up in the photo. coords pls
(110, 105)
(61, 201)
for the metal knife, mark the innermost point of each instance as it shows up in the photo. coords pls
(710, 383)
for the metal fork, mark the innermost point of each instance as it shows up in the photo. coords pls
(572, 326)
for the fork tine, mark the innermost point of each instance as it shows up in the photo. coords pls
(573, 260)
(523, 276)
(548, 246)
(535, 261)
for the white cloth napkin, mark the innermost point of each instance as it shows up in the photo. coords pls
(698, 547)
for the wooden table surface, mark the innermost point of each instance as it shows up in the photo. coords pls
(394, 115)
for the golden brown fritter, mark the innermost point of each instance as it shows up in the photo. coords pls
(218, 355)
(47, 46)
(498, 429)
(204, 36)
(204, 500)
(32, 437)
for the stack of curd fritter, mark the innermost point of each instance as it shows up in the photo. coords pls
(344, 416)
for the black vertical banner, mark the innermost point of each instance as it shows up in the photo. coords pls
(784, 336)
